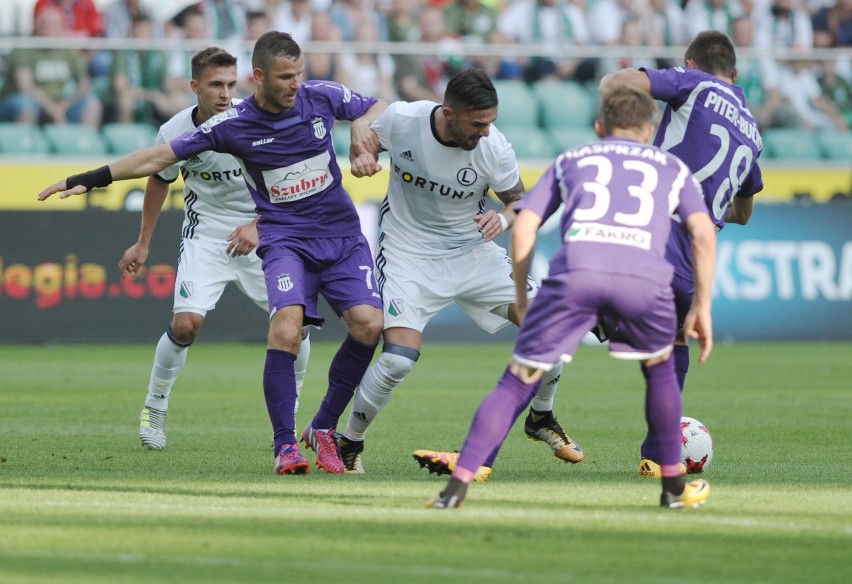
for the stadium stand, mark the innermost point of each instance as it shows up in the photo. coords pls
(74, 139)
(530, 143)
(791, 144)
(565, 104)
(122, 139)
(565, 138)
(836, 145)
(518, 105)
(22, 139)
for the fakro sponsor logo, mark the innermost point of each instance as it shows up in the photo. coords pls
(600, 233)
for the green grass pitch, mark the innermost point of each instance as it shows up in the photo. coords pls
(82, 502)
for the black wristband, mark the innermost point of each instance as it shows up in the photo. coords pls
(100, 177)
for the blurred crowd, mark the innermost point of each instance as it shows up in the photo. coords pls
(92, 87)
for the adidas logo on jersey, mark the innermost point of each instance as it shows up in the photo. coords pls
(407, 155)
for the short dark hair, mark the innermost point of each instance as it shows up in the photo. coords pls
(470, 90)
(211, 57)
(274, 44)
(625, 107)
(713, 52)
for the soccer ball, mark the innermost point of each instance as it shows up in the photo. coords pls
(696, 445)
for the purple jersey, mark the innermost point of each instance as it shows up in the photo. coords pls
(619, 196)
(288, 160)
(707, 125)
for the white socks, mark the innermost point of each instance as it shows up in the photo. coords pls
(301, 365)
(374, 392)
(543, 400)
(169, 360)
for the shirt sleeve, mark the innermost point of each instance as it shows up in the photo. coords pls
(205, 137)
(502, 163)
(191, 144)
(382, 125)
(544, 198)
(349, 105)
(665, 83)
(168, 174)
(753, 183)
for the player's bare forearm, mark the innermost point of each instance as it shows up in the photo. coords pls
(522, 246)
(698, 323)
(372, 114)
(513, 195)
(134, 258)
(740, 210)
(156, 192)
(703, 236)
(363, 139)
(364, 144)
(144, 162)
(629, 76)
(492, 224)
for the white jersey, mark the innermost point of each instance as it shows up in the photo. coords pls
(435, 189)
(216, 198)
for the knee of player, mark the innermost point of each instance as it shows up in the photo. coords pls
(185, 327)
(284, 335)
(662, 358)
(525, 373)
(395, 363)
(367, 327)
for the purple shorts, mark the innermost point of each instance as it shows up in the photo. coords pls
(339, 268)
(570, 304)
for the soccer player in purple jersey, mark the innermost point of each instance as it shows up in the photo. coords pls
(618, 195)
(707, 124)
(309, 232)
(218, 217)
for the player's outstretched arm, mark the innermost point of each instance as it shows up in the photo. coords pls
(134, 258)
(144, 162)
(698, 322)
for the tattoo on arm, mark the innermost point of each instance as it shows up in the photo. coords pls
(512, 195)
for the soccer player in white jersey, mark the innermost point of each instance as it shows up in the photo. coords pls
(437, 248)
(218, 238)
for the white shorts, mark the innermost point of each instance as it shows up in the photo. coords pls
(479, 282)
(204, 270)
